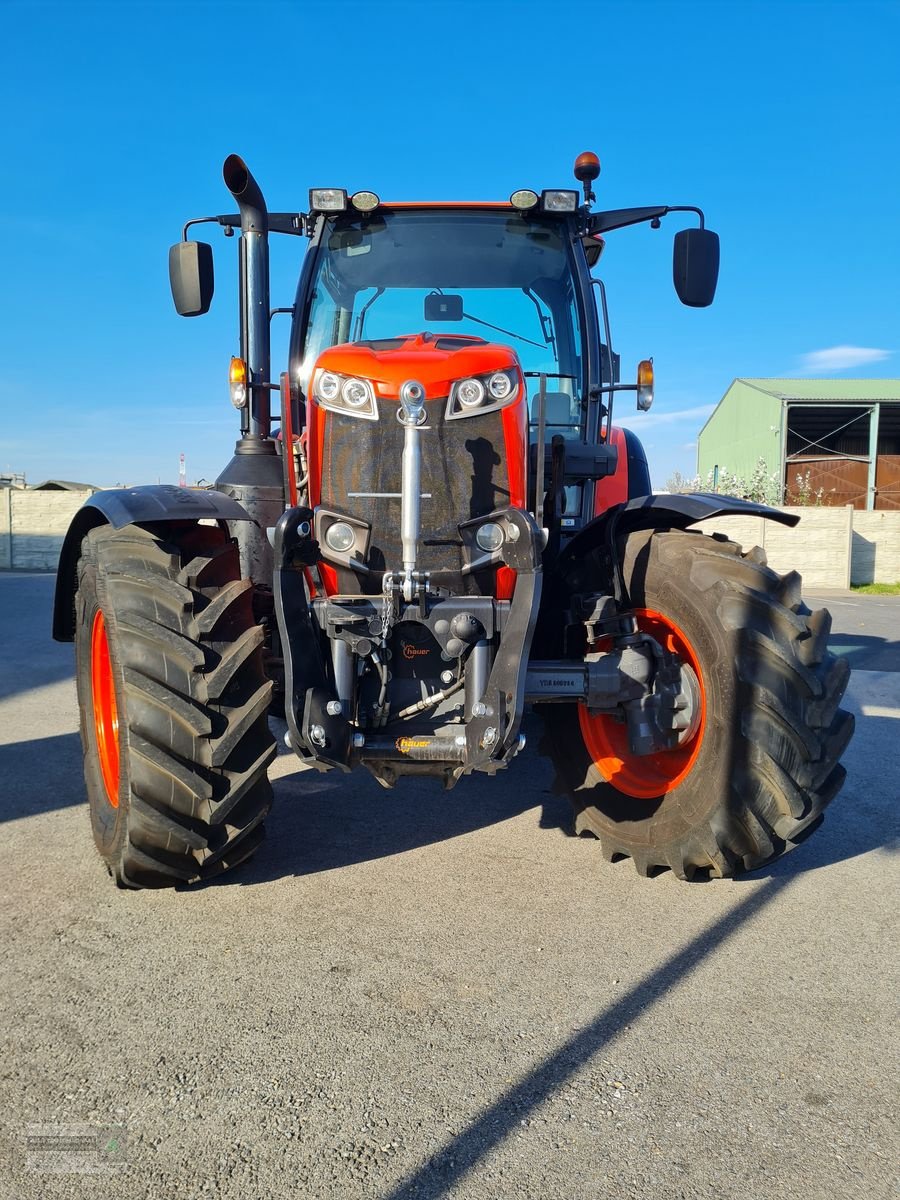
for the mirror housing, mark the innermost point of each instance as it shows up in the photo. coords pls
(191, 277)
(443, 307)
(695, 266)
(594, 245)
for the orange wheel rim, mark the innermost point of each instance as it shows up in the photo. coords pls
(645, 775)
(106, 715)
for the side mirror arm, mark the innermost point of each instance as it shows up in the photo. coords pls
(618, 218)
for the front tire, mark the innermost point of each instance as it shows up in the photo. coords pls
(756, 775)
(173, 703)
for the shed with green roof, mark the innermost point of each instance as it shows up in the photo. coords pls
(835, 439)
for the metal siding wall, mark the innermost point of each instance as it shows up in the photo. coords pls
(740, 432)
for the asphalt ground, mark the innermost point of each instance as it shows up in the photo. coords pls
(426, 994)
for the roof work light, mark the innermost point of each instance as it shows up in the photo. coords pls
(524, 199)
(364, 202)
(327, 200)
(559, 201)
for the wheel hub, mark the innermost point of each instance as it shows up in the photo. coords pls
(608, 741)
(688, 717)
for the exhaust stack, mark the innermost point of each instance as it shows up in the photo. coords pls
(254, 291)
(254, 477)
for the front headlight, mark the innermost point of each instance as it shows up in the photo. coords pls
(355, 393)
(482, 393)
(340, 537)
(329, 385)
(344, 394)
(470, 393)
(500, 385)
(489, 537)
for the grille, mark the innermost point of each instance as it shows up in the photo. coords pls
(463, 468)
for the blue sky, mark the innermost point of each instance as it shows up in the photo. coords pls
(779, 119)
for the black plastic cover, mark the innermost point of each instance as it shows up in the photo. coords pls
(164, 502)
(638, 468)
(443, 307)
(130, 506)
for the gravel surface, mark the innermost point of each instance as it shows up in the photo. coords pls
(427, 994)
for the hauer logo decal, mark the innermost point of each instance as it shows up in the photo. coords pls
(405, 744)
(410, 651)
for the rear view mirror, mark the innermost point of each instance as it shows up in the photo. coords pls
(191, 277)
(443, 308)
(695, 266)
(593, 247)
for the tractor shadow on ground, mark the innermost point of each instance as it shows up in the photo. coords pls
(461, 1154)
(865, 652)
(321, 822)
(29, 658)
(41, 776)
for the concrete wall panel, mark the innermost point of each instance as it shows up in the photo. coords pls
(819, 547)
(33, 525)
(876, 547)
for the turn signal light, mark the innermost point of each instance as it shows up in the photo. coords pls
(237, 382)
(645, 384)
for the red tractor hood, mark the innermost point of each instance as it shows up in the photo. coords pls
(435, 360)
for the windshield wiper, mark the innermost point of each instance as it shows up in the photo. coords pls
(500, 329)
(357, 332)
(546, 327)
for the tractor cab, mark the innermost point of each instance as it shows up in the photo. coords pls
(490, 271)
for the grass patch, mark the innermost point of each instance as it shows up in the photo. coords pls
(877, 589)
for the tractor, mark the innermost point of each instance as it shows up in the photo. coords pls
(443, 528)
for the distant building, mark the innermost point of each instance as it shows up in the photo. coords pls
(838, 435)
(62, 485)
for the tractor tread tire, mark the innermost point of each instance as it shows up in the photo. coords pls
(783, 734)
(194, 742)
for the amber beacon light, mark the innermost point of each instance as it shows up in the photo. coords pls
(587, 169)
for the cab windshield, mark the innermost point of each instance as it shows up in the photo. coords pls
(504, 276)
